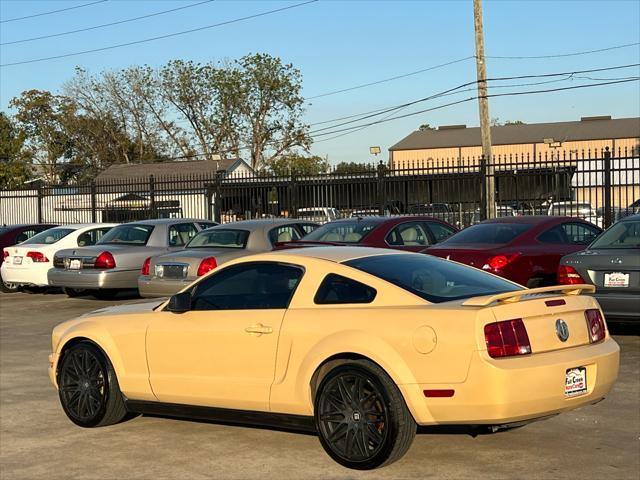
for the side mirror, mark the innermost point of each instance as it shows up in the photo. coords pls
(179, 303)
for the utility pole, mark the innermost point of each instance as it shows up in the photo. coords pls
(483, 105)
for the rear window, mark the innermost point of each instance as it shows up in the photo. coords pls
(49, 236)
(127, 235)
(490, 233)
(621, 235)
(220, 238)
(342, 232)
(431, 278)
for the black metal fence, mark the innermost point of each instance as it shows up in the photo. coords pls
(597, 186)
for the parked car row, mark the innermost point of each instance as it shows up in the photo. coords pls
(161, 257)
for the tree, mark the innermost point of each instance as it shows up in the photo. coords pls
(14, 157)
(424, 127)
(39, 114)
(295, 164)
(353, 167)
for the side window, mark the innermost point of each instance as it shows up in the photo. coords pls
(554, 235)
(91, 237)
(27, 234)
(283, 233)
(248, 286)
(181, 233)
(579, 233)
(440, 231)
(408, 234)
(336, 289)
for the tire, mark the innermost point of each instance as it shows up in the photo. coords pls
(88, 387)
(361, 417)
(72, 292)
(8, 287)
(104, 294)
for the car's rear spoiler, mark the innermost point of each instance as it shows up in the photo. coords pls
(512, 297)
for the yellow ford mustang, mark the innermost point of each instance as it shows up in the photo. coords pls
(360, 345)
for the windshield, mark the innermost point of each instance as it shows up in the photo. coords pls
(220, 238)
(621, 235)
(127, 235)
(342, 232)
(431, 278)
(489, 233)
(49, 236)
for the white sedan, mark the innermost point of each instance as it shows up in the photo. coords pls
(28, 262)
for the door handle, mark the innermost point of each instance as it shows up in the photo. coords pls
(258, 329)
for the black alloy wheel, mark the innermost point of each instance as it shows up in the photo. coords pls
(88, 388)
(361, 417)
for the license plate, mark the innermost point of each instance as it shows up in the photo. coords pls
(616, 279)
(17, 260)
(75, 264)
(575, 382)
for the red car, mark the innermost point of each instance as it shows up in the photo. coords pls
(526, 250)
(402, 233)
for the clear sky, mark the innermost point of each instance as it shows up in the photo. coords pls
(340, 44)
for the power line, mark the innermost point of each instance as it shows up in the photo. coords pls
(390, 79)
(397, 77)
(562, 55)
(51, 12)
(160, 37)
(95, 27)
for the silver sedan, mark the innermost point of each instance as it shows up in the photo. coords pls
(167, 274)
(114, 263)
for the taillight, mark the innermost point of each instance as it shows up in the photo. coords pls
(5, 254)
(145, 267)
(595, 324)
(37, 257)
(500, 261)
(567, 275)
(206, 265)
(507, 338)
(105, 260)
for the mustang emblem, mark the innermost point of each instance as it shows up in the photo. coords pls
(562, 330)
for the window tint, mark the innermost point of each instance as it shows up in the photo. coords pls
(49, 236)
(91, 237)
(308, 227)
(336, 289)
(250, 286)
(490, 233)
(432, 278)
(284, 233)
(181, 233)
(127, 235)
(621, 235)
(27, 234)
(220, 238)
(408, 234)
(343, 232)
(570, 234)
(440, 231)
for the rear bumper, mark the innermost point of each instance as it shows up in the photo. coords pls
(93, 279)
(34, 274)
(517, 389)
(619, 305)
(154, 287)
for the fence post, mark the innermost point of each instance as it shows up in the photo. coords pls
(208, 198)
(381, 188)
(40, 195)
(607, 187)
(152, 196)
(94, 214)
(483, 188)
(217, 199)
(293, 196)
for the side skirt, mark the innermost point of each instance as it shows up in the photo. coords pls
(282, 421)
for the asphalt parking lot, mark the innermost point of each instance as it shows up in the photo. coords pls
(37, 440)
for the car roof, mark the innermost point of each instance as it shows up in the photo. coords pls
(259, 223)
(631, 218)
(165, 221)
(336, 254)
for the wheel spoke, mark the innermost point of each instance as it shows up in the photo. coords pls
(349, 441)
(338, 432)
(333, 417)
(344, 390)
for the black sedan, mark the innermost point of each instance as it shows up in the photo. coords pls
(612, 264)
